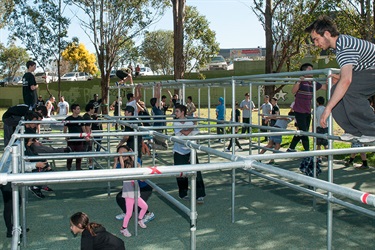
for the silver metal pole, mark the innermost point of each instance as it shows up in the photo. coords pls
(193, 202)
(15, 202)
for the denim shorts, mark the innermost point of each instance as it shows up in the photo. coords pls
(276, 139)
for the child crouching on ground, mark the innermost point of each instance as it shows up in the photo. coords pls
(94, 235)
(128, 193)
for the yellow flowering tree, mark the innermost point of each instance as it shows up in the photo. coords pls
(80, 58)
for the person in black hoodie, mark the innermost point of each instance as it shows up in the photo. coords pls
(94, 235)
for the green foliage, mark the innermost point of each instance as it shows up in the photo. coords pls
(11, 59)
(40, 27)
(6, 7)
(199, 40)
(157, 47)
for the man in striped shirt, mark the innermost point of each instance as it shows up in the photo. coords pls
(354, 85)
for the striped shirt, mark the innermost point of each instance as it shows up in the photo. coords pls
(354, 51)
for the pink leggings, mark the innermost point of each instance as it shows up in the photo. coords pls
(129, 202)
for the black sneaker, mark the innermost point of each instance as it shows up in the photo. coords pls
(37, 192)
(363, 167)
(291, 150)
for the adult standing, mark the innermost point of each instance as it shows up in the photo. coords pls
(190, 107)
(97, 111)
(354, 85)
(133, 99)
(303, 91)
(220, 117)
(137, 70)
(49, 105)
(130, 139)
(181, 156)
(266, 111)
(247, 107)
(29, 86)
(62, 106)
(75, 143)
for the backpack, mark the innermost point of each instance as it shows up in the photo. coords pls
(307, 166)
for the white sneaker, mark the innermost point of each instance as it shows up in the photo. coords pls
(227, 150)
(239, 150)
(141, 223)
(366, 138)
(149, 217)
(120, 216)
(348, 137)
(125, 232)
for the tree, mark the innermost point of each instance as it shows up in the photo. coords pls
(111, 25)
(284, 22)
(40, 26)
(157, 47)
(199, 40)
(11, 59)
(178, 31)
(81, 59)
(6, 7)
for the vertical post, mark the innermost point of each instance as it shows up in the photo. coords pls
(209, 118)
(183, 98)
(193, 202)
(108, 160)
(233, 146)
(199, 102)
(330, 172)
(15, 202)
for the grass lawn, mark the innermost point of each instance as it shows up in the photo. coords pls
(286, 139)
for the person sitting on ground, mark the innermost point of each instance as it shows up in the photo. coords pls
(94, 235)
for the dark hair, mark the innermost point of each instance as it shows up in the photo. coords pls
(89, 106)
(274, 98)
(42, 109)
(153, 101)
(182, 108)
(129, 95)
(305, 66)
(323, 24)
(163, 96)
(30, 64)
(128, 163)
(30, 115)
(190, 98)
(81, 220)
(123, 146)
(74, 106)
(320, 100)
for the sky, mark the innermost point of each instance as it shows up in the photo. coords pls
(234, 22)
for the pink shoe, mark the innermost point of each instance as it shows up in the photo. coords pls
(125, 232)
(141, 223)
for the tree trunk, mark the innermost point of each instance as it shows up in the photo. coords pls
(270, 89)
(178, 28)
